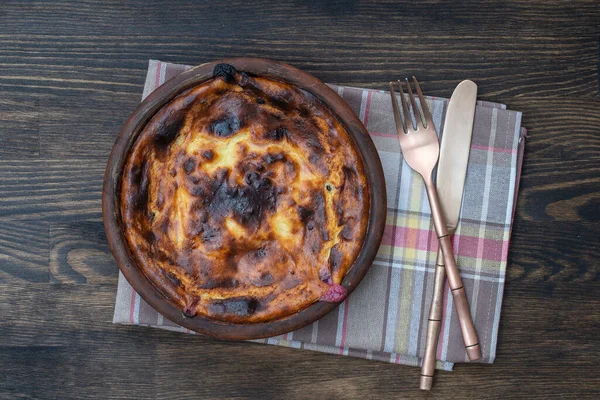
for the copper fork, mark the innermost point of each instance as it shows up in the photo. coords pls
(421, 149)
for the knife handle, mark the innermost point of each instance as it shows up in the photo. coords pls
(434, 324)
(460, 302)
(454, 280)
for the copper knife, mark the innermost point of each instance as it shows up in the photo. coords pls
(452, 169)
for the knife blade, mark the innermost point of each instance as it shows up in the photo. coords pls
(454, 150)
(452, 170)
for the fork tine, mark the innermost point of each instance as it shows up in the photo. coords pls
(396, 110)
(404, 108)
(423, 104)
(417, 113)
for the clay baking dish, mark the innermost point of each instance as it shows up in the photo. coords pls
(166, 93)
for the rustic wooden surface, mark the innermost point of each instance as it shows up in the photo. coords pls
(72, 71)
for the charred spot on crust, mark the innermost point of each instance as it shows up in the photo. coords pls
(227, 72)
(339, 213)
(251, 178)
(221, 176)
(197, 191)
(304, 213)
(246, 203)
(225, 283)
(140, 181)
(291, 282)
(149, 237)
(277, 134)
(225, 126)
(160, 200)
(260, 253)
(167, 130)
(260, 100)
(208, 155)
(203, 216)
(305, 132)
(281, 102)
(320, 216)
(335, 258)
(347, 233)
(210, 234)
(349, 173)
(265, 279)
(325, 275)
(193, 179)
(237, 306)
(194, 227)
(273, 158)
(351, 181)
(189, 165)
(172, 278)
(305, 111)
(161, 256)
(164, 226)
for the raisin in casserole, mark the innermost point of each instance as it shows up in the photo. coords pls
(244, 199)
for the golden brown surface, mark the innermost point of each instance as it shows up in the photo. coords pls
(243, 199)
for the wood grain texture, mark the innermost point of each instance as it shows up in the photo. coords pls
(113, 67)
(19, 115)
(24, 252)
(80, 254)
(50, 189)
(332, 18)
(72, 72)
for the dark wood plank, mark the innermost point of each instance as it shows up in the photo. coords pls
(59, 189)
(555, 262)
(24, 253)
(560, 129)
(564, 192)
(79, 253)
(113, 65)
(58, 342)
(63, 134)
(285, 18)
(19, 126)
(74, 372)
(67, 314)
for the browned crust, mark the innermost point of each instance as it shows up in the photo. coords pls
(241, 197)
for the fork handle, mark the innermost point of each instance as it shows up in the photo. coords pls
(454, 281)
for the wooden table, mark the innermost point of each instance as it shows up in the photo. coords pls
(72, 71)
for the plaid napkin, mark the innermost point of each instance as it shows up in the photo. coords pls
(385, 318)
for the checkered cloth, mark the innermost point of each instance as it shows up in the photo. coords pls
(386, 317)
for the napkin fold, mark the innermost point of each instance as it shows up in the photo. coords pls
(385, 318)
